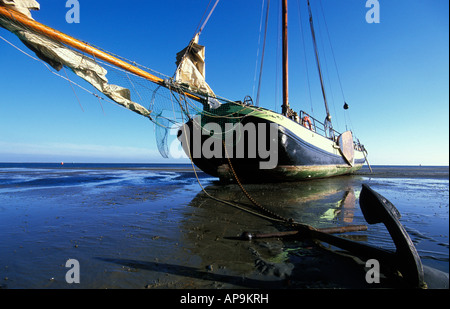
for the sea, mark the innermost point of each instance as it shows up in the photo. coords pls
(166, 226)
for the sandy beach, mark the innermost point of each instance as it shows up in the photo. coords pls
(155, 228)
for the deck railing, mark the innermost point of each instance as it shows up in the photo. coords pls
(319, 127)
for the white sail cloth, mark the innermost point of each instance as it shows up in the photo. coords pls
(22, 6)
(191, 67)
(58, 55)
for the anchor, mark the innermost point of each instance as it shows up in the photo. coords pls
(376, 209)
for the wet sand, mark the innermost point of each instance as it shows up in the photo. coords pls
(161, 231)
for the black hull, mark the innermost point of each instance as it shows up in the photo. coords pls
(296, 159)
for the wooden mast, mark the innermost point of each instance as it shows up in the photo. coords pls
(285, 107)
(79, 45)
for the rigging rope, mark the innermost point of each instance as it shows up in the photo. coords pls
(207, 18)
(182, 110)
(262, 55)
(337, 71)
(305, 58)
(218, 199)
(71, 86)
(277, 62)
(53, 72)
(325, 65)
(332, 50)
(275, 217)
(318, 64)
(257, 50)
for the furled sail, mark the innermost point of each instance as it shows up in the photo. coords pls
(191, 67)
(22, 6)
(58, 55)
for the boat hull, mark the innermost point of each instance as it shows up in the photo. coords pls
(300, 153)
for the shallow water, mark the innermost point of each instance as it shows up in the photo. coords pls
(151, 226)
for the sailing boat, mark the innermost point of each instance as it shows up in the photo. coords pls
(232, 140)
(304, 147)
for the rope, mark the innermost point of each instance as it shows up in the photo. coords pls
(300, 21)
(73, 90)
(271, 216)
(207, 18)
(197, 34)
(318, 63)
(59, 75)
(263, 51)
(257, 50)
(326, 67)
(218, 199)
(254, 202)
(332, 51)
(277, 62)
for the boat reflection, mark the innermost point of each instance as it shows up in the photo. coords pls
(212, 229)
(319, 203)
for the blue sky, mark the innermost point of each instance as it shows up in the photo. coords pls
(395, 76)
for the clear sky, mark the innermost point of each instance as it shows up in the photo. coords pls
(395, 75)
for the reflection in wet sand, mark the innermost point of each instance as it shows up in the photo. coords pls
(212, 233)
(316, 203)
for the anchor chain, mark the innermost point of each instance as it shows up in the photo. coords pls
(278, 217)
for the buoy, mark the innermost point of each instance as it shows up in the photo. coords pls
(62, 163)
